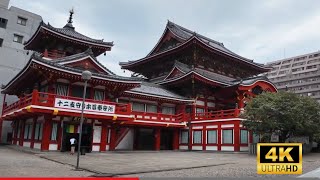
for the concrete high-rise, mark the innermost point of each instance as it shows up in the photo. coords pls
(299, 74)
(16, 27)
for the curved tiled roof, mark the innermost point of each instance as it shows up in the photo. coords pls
(69, 31)
(38, 57)
(86, 53)
(186, 35)
(207, 74)
(156, 90)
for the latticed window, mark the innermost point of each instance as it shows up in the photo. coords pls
(227, 136)
(168, 110)
(212, 136)
(151, 108)
(54, 132)
(62, 90)
(184, 137)
(243, 136)
(98, 95)
(38, 131)
(27, 131)
(138, 107)
(197, 137)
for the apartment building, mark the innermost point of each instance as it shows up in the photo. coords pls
(299, 74)
(16, 27)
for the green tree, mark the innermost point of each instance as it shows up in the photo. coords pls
(285, 114)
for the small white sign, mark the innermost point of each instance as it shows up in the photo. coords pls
(88, 106)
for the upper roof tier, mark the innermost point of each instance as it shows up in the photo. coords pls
(65, 36)
(182, 36)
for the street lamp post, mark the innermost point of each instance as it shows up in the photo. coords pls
(86, 75)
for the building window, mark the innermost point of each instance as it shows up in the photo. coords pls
(22, 21)
(243, 136)
(184, 137)
(197, 137)
(152, 108)
(212, 137)
(168, 110)
(138, 107)
(62, 90)
(38, 131)
(227, 136)
(98, 95)
(77, 91)
(27, 131)
(256, 138)
(1, 41)
(3, 23)
(54, 132)
(200, 110)
(17, 38)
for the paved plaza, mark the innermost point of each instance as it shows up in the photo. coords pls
(16, 161)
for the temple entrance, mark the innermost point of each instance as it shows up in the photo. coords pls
(145, 139)
(69, 132)
(166, 140)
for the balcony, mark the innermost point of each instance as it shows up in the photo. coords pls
(168, 120)
(215, 115)
(45, 103)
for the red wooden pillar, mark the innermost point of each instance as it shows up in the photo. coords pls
(33, 132)
(46, 134)
(219, 136)
(157, 136)
(59, 133)
(103, 142)
(21, 133)
(176, 139)
(204, 138)
(113, 138)
(237, 136)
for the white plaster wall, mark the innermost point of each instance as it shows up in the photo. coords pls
(26, 144)
(97, 134)
(201, 103)
(107, 147)
(53, 147)
(197, 127)
(96, 148)
(212, 148)
(183, 147)
(227, 125)
(227, 148)
(127, 142)
(244, 148)
(37, 146)
(197, 148)
(213, 126)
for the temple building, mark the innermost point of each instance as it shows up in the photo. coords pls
(187, 93)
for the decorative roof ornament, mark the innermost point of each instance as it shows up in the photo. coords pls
(69, 24)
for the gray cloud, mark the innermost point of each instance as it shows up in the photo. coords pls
(259, 30)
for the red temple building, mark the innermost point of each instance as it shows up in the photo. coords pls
(187, 93)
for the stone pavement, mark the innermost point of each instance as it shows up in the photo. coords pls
(156, 163)
(15, 163)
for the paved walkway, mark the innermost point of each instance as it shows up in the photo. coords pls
(152, 164)
(312, 174)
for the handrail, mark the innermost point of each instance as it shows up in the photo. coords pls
(220, 114)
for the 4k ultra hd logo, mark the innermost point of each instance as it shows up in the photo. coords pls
(279, 158)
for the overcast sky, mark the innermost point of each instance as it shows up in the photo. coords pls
(260, 30)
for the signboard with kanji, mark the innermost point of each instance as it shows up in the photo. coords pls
(88, 106)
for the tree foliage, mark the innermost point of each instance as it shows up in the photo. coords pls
(285, 114)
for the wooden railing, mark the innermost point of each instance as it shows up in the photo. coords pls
(160, 117)
(48, 100)
(221, 114)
